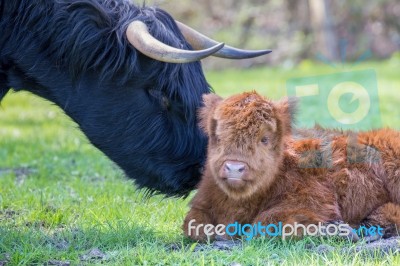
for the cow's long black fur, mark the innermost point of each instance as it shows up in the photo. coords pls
(140, 112)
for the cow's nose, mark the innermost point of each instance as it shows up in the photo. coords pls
(234, 169)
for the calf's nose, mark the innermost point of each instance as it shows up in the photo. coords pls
(234, 169)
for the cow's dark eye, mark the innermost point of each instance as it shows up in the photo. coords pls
(165, 102)
(160, 98)
(265, 140)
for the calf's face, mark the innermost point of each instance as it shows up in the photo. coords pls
(246, 134)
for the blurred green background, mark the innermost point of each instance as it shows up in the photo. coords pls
(336, 30)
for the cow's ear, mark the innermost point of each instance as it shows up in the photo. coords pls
(287, 108)
(207, 122)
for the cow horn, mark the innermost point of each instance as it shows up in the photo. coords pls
(198, 41)
(138, 35)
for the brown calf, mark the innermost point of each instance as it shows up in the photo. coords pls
(257, 170)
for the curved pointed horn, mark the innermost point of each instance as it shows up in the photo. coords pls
(199, 41)
(138, 35)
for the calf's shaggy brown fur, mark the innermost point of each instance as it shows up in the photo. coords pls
(258, 170)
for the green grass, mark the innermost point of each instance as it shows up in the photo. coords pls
(60, 197)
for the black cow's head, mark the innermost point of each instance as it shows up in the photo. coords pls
(127, 75)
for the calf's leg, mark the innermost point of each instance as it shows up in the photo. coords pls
(386, 216)
(195, 224)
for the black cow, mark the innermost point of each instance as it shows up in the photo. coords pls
(128, 76)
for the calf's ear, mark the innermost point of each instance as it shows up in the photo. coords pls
(206, 121)
(287, 108)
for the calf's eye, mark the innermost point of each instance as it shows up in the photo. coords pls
(264, 140)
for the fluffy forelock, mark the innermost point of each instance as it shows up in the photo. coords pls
(244, 114)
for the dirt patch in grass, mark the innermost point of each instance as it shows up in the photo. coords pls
(21, 173)
(93, 254)
(8, 214)
(4, 259)
(58, 263)
(378, 247)
(219, 245)
(374, 247)
(226, 245)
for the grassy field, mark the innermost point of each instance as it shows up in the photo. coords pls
(60, 197)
